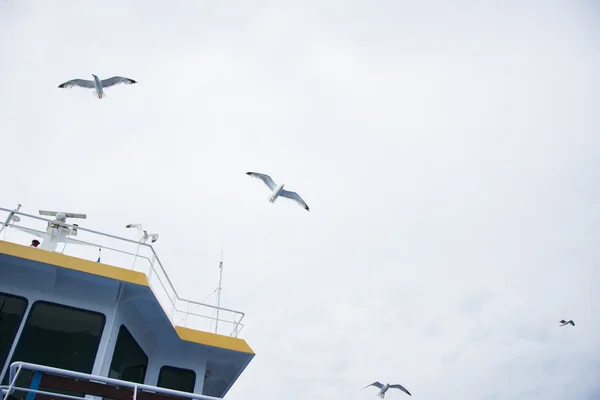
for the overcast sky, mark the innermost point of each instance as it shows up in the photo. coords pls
(448, 152)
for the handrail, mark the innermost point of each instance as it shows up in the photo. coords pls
(17, 366)
(155, 261)
(94, 244)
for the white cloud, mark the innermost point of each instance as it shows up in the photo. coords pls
(462, 139)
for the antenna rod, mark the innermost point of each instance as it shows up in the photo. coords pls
(219, 292)
(9, 218)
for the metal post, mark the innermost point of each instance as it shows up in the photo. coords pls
(12, 384)
(10, 215)
(186, 314)
(219, 292)
(236, 327)
(111, 327)
(136, 254)
(173, 309)
(60, 228)
(13, 348)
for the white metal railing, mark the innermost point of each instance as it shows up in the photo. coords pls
(132, 255)
(17, 366)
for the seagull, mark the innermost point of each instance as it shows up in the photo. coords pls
(96, 84)
(384, 388)
(278, 190)
(563, 322)
(144, 233)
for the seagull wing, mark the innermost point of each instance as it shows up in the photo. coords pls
(376, 384)
(398, 386)
(572, 323)
(294, 196)
(139, 226)
(153, 237)
(115, 80)
(562, 321)
(77, 82)
(265, 178)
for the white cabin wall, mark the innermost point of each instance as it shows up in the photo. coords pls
(159, 352)
(188, 357)
(94, 296)
(62, 290)
(59, 289)
(125, 315)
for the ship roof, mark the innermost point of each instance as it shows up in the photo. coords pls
(26, 256)
(134, 269)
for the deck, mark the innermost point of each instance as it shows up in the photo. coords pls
(44, 380)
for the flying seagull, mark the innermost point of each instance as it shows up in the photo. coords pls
(144, 233)
(96, 84)
(563, 322)
(384, 388)
(277, 190)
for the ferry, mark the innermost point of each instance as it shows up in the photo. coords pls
(87, 314)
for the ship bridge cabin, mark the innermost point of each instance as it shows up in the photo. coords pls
(78, 321)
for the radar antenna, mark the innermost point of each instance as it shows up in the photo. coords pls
(57, 231)
(60, 215)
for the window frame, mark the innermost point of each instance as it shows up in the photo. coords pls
(17, 335)
(121, 328)
(29, 313)
(176, 368)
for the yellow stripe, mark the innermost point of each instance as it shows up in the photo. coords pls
(73, 263)
(212, 339)
(108, 271)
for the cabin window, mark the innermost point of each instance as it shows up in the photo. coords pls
(12, 310)
(177, 379)
(59, 336)
(129, 362)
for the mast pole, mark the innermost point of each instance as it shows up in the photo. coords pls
(219, 292)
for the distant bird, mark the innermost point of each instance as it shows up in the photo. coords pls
(96, 84)
(384, 388)
(144, 234)
(563, 322)
(278, 190)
